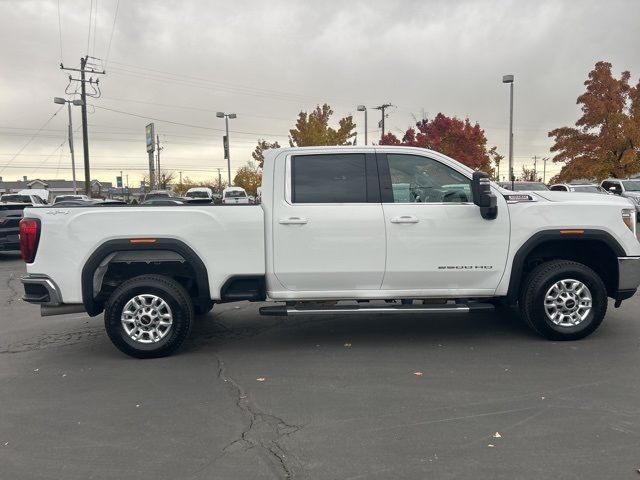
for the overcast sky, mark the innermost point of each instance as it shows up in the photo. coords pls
(182, 61)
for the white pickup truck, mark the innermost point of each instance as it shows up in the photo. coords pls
(340, 230)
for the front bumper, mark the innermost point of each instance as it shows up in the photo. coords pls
(628, 277)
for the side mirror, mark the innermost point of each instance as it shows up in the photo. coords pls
(482, 196)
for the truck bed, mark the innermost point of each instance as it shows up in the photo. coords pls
(228, 239)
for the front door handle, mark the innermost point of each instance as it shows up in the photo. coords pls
(293, 221)
(405, 219)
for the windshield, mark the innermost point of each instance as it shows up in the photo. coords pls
(530, 186)
(235, 194)
(587, 189)
(62, 198)
(631, 185)
(157, 195)
(197, 195)
(15, 198)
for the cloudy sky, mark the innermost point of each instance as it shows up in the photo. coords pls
(178, 62)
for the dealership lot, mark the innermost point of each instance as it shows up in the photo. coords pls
(317, 397)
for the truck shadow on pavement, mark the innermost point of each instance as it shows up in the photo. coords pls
(228, 327)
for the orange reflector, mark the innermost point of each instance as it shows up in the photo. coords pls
(142, 240)
(571, 232)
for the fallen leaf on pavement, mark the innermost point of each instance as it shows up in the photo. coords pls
(497, 435)
(347, 345)
(491, 445)
(260, 379)
(418, 374)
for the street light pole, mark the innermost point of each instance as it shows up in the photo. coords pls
(362, 108)
(227, 148)
(62, 101)
(73, 157)
(228, 152)
(509, 79)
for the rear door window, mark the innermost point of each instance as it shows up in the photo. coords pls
(333, 178)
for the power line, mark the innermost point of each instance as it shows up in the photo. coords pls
(113, 27)
(31, 139)
(95, 28)
(198, 82)
(89, 35)
(60, 30)
(147, 117)
(208, 81)
(189, 107)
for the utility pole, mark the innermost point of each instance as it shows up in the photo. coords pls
(535, 172)
(382, 108)
(83, 95)
(544, 169)
(85, 130)
(219, 182)
(180, 178)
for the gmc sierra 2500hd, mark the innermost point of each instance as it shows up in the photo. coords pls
(391, 229)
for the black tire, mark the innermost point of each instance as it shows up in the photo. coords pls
(538, 283)
(165, 288)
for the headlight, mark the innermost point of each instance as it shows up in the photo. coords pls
(629, 218)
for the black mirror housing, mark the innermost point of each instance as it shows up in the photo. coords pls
(483, 197)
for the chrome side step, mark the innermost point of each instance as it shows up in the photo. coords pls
(283, 310)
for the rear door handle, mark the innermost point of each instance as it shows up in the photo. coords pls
(405, 219)
(293, 221)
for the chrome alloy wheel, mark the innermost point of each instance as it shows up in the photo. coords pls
(146, 318)
(568, 302)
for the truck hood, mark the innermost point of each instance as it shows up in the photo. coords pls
(578, 197)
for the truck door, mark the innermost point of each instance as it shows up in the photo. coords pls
(328, 230)
(437, 242)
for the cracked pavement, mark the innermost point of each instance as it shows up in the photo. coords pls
(252, 397)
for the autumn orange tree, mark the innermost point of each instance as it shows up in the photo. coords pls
(461, 140)
(258, 152)
(249, 177)
(313, 129)
(606, 139)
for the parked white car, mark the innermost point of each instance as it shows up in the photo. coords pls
(578, 187)
(62, 198)
(199, 192)
(41, 193)
(21, 198)
(234, 196)
(332, 228)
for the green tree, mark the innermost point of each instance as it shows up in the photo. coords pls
(312, 129)
(606, 139)
(258, 153)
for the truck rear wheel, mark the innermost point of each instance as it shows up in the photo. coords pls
(563, 300)
(148, 316)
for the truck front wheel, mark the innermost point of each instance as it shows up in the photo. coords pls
(148, 316)
(563, 300)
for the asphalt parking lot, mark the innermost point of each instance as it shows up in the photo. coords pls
(253, 397)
